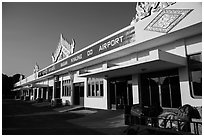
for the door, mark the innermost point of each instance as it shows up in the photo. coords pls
(112, 95)
(58, 87)
(79, 94)
(50, 92)
(120, 92)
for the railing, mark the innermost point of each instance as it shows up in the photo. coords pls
(176, 125)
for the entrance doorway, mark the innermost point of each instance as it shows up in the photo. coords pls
(120, 92)
(35, 93)
(50, 92)
(44, 92)
(161, 88)
(58, 89)
(79, 94)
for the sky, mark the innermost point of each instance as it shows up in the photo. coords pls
(31, 30)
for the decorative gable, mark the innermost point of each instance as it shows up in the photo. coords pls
(64, 49)
(167, 19)
(36, 68)
(145, 9)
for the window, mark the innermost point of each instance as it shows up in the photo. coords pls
(161, 88)
(66, 88)
(101, 87)
(95, 87)
(89, 89)
(195, 74)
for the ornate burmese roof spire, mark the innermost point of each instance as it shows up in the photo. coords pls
(36, 68)
(64, 49)
(145, 9)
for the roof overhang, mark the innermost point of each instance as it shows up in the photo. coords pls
(39, 85)
(156, 61)
(16, 89)
(131, 48)
(22, 88)
(29, 86)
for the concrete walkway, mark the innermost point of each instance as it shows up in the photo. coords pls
(105, 121)
(29, 118)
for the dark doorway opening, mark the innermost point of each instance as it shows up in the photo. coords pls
(57, 92)
(44, 92)
(35, 93)
(50, 92)
(78, 94)
(120, 92)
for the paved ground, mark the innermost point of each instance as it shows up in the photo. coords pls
(29, 118)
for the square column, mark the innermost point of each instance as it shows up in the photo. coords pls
(47, 94)
(136, 88)
(33, 93)
(37, 93)
(56, 79)
(53, 91)
(33, 90)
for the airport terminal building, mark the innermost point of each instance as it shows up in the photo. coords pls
(157, 59)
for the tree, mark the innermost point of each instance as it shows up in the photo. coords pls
(8, 84)
(5, 85)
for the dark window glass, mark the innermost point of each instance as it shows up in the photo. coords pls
(101, 88)
(81, 90)
(145, 92)
(93, 89)
(175, 91)
(154, 91)
(69, 90)
(165, 92)
(89, 89)
(195, 72)
(161, 89)
(97, 89)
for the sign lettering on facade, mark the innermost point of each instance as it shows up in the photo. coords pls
(115, 41)
(76, 58)
(111, 43)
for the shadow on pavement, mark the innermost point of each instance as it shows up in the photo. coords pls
(25, 118)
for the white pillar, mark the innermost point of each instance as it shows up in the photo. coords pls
(61, 87)
(33, 93)
(135, 88)
(38, 93)
(105, 93)
(53, 91)
(47, 94)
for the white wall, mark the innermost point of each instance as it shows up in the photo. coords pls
(186, 97)
(96, 102)
(176, 47)
(95, 68)
(51, 82)
(123, 60)
(78, 79)
(194, 44)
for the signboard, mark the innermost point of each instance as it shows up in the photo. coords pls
(115, 41)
